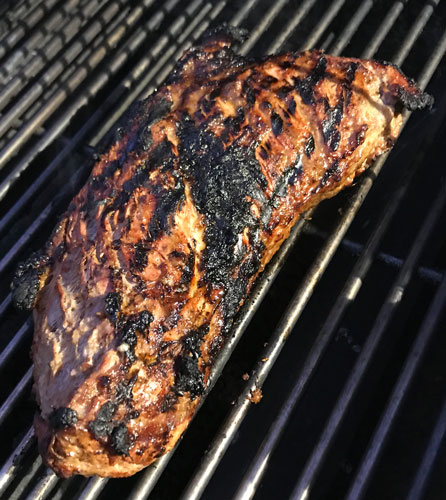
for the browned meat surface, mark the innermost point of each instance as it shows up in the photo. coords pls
(137, 288)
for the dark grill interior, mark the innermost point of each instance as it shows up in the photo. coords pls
(354, 405)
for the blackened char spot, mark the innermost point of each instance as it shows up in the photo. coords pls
(192, 341)
(168, 402)
(276, 124)
(309, 146)
(333, 171)
(113, 303)
(305, 86)
(102, 426)
(219, 193)
(158, 108)
(27, 281)
(351, 71)
(127, 326)
(263, 153)
(124, 390)
(167, 201)
(329, 131)
(62, 418)
(237, 291)
(139, 261)
(250, 97)
(120, 441)
(188, 377)
(292, 105)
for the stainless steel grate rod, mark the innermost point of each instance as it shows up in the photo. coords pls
(314, 463)
(42, 60)
(424, 471)
(101, 77)
(400, 391)
(24, 62)
(12, 464)
(32, 19)
(111, 101)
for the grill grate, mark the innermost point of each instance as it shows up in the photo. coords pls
(69, 70)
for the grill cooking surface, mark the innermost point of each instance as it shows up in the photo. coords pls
(354, 405)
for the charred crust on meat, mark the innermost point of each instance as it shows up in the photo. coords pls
(105, 381)
(216, 193)
(62, 418)
(157, 109)
(188, 377)
(276, 123)
(330, 133)
(124, 390)
(351, 72)
(113, 303)
(291, 105)
(120, 440)
(238, 288)
(193, 340)
(399, 97)
(309, 146)
(226, 33)
(168, 402)
(116, 244)
(102, 426)
(128, 326)
(305, 86)
(333, 172)
(414, 101)
(139, 261)
(28, 280)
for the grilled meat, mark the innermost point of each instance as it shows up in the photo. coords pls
(137, 288)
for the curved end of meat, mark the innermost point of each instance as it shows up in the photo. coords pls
(403, 91)
(224, 34)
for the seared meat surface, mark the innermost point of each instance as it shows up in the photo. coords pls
(138, 286)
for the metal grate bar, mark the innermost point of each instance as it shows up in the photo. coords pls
(93, 121)
(255, 472)
(398, 394)
(98, 82)
(262, 26)
(413, 34)
(17, 339)
(292, 24)
(328, 17)
(224, 437)
(5, 304)
(436, 441)
(94, 487)
(426, 273)
(351, 28)
(386, 26)
(18, 61)
(25, 479)
(44, 57)
(15, 395)
(11, 466)
(32, 19)
(393, 299)
(44, 486)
